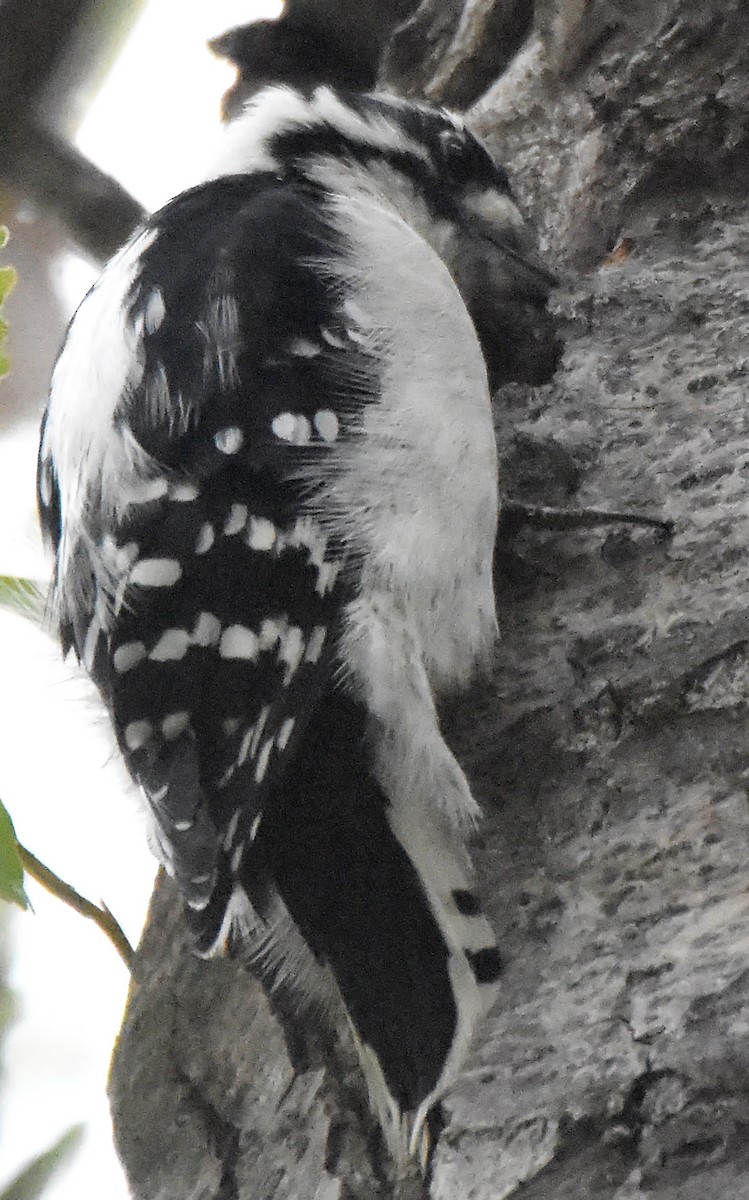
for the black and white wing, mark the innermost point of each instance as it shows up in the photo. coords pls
(204, 385)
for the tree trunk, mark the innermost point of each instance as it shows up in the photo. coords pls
(609, 750)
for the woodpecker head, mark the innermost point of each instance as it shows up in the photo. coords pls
(425, 165)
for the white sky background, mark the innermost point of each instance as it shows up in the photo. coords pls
(152, 126)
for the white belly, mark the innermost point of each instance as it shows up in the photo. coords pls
(421, 489)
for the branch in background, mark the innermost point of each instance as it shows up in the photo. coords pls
(451, 52)
(49, 58)
(35, 35)
(63, 891)
(97, 211)
(53, 57)
(32, 1181)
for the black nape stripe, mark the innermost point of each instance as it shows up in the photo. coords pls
(466, 903)
(486, 964)
(298, 146)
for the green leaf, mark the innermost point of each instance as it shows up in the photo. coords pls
(33, 1179)
(8, 280)
(11, 867)
(20, 595)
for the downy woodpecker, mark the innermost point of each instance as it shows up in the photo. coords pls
(269, 478)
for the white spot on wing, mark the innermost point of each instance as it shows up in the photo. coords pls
(307, 533)
(292, 427)
(171, 646)
(315, 644)
(332, 339)
(226, 777)
(90, 644)
(326, 424)
(236, 520)
(207, 630)
(239, 642)
(206, 538)
(222, 330)
(158, 397)
(302, 347)
(303, 431)
(156, 572)
(231, 829)
(284, 733)
(326, 577)
(182, 492)
(292, 648)
(262, 761)
(244, 748)
(154, 311)
(128, 656)
(137, 734)
(270, 632)
(230, 440)
(230, 725)
(258, 731)
(172, 726)
(283, 426)
(261, 534)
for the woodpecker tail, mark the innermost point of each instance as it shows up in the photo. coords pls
(380, 891)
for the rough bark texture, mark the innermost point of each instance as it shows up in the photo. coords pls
(450, 51)
(610, 750)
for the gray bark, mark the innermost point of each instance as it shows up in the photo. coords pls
(609, 749)
(450, 51)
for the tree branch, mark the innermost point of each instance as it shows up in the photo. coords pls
(98, 212)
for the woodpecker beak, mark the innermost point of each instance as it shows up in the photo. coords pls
(506, 288)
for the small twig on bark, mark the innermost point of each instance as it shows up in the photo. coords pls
(515, 513)
(101, 916)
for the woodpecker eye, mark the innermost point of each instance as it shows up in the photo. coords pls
(465, 160)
